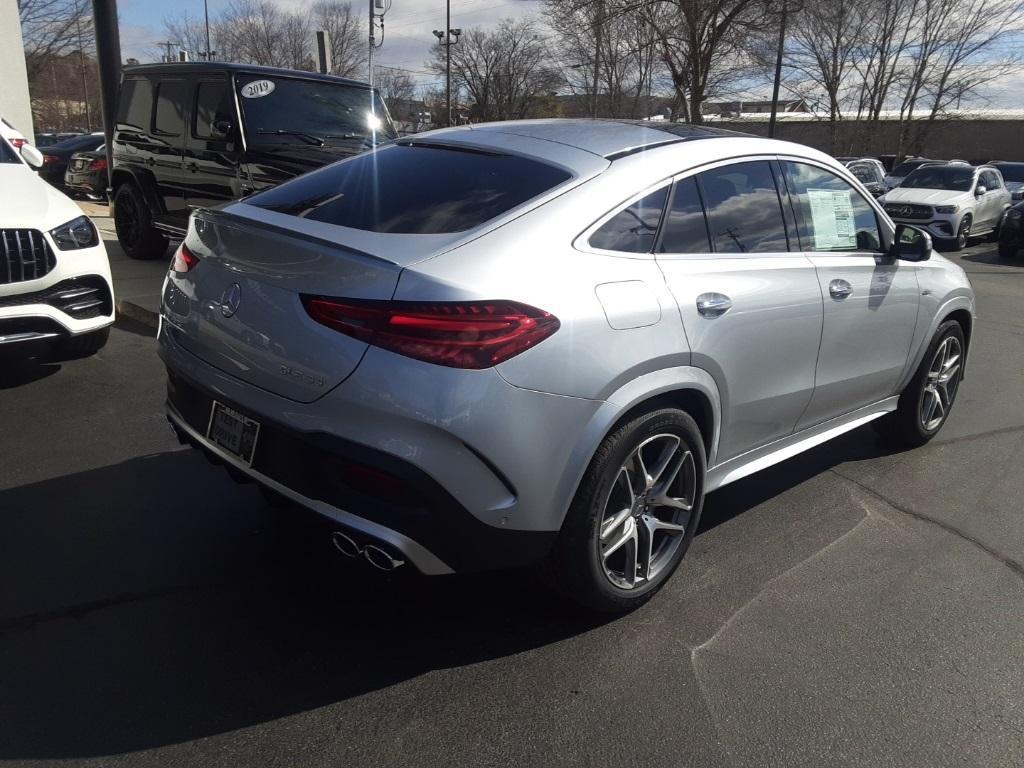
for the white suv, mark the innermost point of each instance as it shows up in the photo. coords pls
(952, 202)
(55, 281)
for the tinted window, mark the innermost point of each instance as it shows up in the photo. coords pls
(413, 189)
(865, 173)
(832, 215)
(953, 177)
(744, 213)
(88, 143)
(685, 229)
(213, 103)
(1012, 171)
(135, 106)
(991, 180)
(332, 112)
(7, 154)
(904, 168)
(633, 229)
(170, 103)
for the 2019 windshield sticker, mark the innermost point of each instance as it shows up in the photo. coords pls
(257, 89)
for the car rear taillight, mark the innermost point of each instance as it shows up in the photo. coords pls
(99, 164)
(184, 259)
(475, 334)
(50, 159)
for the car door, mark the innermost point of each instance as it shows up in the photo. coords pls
(995, 197)
(212, 151)
(870, 299)
(168, 138)
(751, 308)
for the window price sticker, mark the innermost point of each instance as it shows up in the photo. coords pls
(832, 219)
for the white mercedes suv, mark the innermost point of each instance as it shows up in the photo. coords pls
(55, 284)
(952, 202)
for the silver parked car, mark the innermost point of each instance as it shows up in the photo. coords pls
(546, 341)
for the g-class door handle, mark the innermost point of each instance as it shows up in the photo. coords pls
(194, 167)
(839, 289)
(713, 304)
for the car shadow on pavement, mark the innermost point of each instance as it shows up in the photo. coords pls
(991, 257)
(17, 371)
(155, 602)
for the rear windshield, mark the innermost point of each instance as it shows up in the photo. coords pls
(904, 168)
(413, 189)
(1011, 171)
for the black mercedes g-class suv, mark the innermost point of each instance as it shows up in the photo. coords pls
(199, 134)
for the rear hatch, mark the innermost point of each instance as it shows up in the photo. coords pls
(239, 308)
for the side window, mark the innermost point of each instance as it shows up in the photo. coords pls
(685, 229)
(832, 215)
(170, 107)
(135, 105)
(743, 208)
(992, 180)
(633, 229)
(213, 103)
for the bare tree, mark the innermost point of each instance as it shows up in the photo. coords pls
(703, 44)
(607, 53)
(347, 34)
(189, 32)
(397, 89)
(825, 48)
(505, 71)
(53, 28)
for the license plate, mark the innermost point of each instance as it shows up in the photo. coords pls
(233, 431)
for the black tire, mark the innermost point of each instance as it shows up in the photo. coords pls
(575, 565)
(963, 233)
(904, 428)
(74, 347)
(134, 224)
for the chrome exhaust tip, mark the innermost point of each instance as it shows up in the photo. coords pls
(381, 559)
(376, 556)
(345, 544)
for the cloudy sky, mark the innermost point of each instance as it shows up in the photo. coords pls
(408, 37)
(407, 26)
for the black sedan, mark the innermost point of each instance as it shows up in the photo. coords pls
(1011, 234)
(87, 174)
(56, 156)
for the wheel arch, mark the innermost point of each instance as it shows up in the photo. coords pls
(690, 389)
(144, 180)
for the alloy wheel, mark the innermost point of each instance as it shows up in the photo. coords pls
(941, 384)
(647, 511)
(127, 219)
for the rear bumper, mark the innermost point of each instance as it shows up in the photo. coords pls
(428, 526)
(90, 183)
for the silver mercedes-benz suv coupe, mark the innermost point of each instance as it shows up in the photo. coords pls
(544, 342)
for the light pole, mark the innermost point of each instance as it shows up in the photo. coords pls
(448, 43)
(206, 14)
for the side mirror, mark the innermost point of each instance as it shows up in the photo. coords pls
(911, 244)
(221, 129)
(980, 190)
(31, 155)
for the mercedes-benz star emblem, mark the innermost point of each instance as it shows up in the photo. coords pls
(230, 299)
(906, 210)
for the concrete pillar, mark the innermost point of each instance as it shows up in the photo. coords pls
(15, 105)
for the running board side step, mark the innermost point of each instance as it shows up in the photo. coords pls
(787, 447)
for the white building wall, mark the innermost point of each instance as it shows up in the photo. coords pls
(15, 106)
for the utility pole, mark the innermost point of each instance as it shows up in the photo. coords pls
(445, 39)
(168, 45)
(778, 70)
(85, 80)
(206, 14)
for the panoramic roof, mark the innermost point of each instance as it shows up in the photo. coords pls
(608, 138)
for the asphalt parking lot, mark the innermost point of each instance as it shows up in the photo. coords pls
(849, 607)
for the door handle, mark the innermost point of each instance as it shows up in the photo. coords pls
(150, 161)
(713, 304)
(194, 167)
(839, 289)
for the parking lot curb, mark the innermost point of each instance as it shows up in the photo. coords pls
(133, 311)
